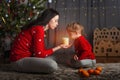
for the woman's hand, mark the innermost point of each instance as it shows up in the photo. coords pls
(65, 46)
(75, 57)
(61, 46)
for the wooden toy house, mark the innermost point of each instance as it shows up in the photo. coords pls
(106, 42)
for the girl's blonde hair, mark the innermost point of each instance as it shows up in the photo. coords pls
(75, 27)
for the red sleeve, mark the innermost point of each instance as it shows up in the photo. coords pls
(85, 48)
(38, 42)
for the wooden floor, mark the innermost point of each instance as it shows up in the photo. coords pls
(108, 59)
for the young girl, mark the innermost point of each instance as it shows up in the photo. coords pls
(83, 57)
(28, 53)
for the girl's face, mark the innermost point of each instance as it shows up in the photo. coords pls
(72, 35)
(53, 23)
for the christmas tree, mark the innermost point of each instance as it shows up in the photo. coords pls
(14, 14)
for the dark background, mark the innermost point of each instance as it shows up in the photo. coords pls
(90, 13)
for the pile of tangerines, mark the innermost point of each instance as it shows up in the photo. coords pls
(91, 71)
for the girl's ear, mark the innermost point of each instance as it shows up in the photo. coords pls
(78, 33)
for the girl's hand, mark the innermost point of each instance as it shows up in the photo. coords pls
(75, 57)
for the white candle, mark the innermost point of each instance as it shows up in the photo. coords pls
(65, 40)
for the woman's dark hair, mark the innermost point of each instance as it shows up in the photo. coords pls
(43, 19)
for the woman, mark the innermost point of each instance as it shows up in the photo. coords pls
(28, 53)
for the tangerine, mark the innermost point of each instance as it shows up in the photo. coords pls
(80, 70)
(99, 68)
(85, 73)
(91, 71)
(97, 72)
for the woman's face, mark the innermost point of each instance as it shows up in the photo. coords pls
(53, 23)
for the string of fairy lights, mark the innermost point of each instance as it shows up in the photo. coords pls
(93, 8)
(73, 6)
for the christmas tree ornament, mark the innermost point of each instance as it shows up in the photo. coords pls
(6, 15)
(31, 13)
(8, 1)
(29, 18)
(50, 1)
(38, 13)
(29, 4)
(3, 20)
(34, 7)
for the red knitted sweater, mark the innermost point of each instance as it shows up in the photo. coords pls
(30, 43)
